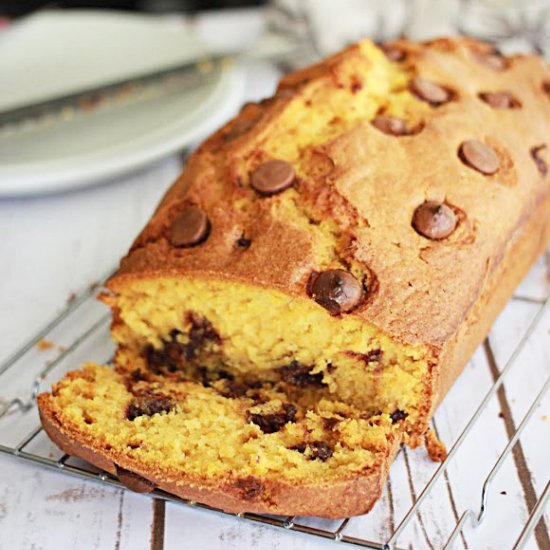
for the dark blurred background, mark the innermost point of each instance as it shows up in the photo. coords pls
(15, 8)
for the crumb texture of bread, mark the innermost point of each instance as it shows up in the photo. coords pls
(183, 433)
(311, 286)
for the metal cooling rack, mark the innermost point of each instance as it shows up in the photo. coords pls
(83, 326)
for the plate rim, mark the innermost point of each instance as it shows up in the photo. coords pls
(46, 177)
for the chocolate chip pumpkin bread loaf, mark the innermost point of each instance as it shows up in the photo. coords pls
(314, 282)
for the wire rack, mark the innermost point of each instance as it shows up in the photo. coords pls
(83, 328)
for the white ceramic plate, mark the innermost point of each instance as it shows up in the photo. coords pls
(58, 52)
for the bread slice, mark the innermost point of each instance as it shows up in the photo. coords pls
(344, 244)
(253, 453)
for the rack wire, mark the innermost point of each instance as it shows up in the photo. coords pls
(84, 323)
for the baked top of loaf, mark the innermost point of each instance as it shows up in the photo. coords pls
(309, 288)
(470, 140)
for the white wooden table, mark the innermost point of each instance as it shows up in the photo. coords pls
(53, 246)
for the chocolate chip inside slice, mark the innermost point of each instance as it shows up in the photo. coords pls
(133, 481)
(336, 290)
(272, 177)
(390, 125)
(299, 375)
(429, 91)
(479, 156)
(434, 220)
(320, 451)
(398, 415)
(500, 100)
(148, 405)
(273, 422)
(191, 228)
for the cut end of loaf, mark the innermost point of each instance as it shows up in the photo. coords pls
(243, 336)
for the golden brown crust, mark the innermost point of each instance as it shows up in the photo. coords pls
(380, 179)
(503, 275)
(351, 497)
(443, 295)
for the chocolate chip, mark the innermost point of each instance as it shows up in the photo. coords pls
(170, 357)
(398, 415)
(539, 161)
(250, 487)
(390, 125)
(201, 331)
(137, 375)
(336, 290)
(493, 60)
(500, 100)
(318, 450)
(149, 404)
(393, 53)
(479, 156)
(429, 91)
(273, 422)
(434, 220)
(301, 448)
(191, 228)
(299, 375)
(234, 390)
(243, 242)
(330, 423)
(133, 481)
(546, 87)
(272, 177)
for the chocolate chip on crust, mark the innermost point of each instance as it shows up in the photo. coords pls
(191, 228)
(429, 91)
(299, 375)
(434, 220)
(336, 290)
(539, 161)
(272, 177)
(479, 156)
(133, 481)
(273, 422)
(149, 404)
(500, 100)
(390, 125)
(243, 242)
